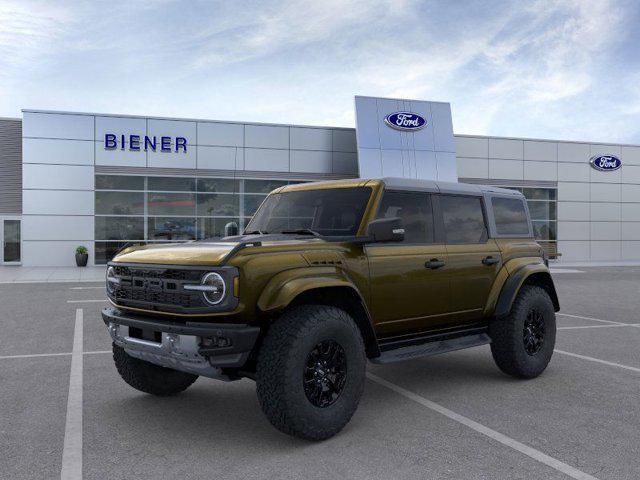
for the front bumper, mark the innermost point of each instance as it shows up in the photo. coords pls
(195, 347)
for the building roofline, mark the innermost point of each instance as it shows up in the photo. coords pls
(402, 99)
(548, 140)
(180, 119)
(11, 118)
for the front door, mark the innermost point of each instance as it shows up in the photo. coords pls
(474, 259)
(9, 240)
(409, 285)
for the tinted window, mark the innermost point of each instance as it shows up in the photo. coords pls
(510, 215)
(415, 211)
(463, 219)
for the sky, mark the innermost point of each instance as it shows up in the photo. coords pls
(540, 69)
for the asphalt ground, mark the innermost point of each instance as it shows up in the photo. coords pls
(447, 417)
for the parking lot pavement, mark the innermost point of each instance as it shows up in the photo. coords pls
(453, 416)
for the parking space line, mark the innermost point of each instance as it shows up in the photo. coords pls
(599, 326)
(488, 432)
(597, 360)
(72, 450)
(101, 287)
(103, 300)
(591, 318)
(98, 352)
(62, 354)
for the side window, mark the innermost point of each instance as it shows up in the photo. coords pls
(463, 219)
(415, 211)
(510, 215)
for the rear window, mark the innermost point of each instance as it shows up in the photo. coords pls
(510, 215)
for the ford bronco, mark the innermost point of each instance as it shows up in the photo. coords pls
(327, 276)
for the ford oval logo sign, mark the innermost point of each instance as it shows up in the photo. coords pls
(405, 121)
(605, 163)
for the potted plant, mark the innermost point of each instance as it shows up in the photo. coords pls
(82, 256)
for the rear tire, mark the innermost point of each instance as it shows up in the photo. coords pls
(311, 371)
(523, 341)
(150, 378)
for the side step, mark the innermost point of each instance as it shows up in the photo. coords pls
(432, 348)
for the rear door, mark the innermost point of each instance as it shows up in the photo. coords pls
(474, 258)
(409, 286)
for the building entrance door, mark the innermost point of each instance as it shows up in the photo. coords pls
(10, 240)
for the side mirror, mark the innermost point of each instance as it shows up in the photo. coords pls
(231, 229)
(386, 230)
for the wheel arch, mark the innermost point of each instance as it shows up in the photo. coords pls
(527, 275)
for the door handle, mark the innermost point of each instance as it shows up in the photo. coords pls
(434, 263)
(490, 260)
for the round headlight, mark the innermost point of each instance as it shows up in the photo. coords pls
(111, 280)
(214, 288)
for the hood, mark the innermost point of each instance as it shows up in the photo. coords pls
(203, 252)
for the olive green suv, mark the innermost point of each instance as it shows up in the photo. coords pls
(325, 276)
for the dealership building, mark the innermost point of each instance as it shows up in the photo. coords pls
(100, 181)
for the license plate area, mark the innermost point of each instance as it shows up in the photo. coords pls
(144, 334)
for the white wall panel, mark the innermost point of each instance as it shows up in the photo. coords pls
(574, 172)
(426, 164)
(630, 155)
(630, 231)
(442, 127)
(472, 147)
(120, 126)
(605, 231)
(574, 152)
(70, 152)
(473, 167)
(602, 192)
(311, 161)
(55, 125)
(573, 231)
(630, 250)
(220, 134)
(265, 136)
(546, 171)
(545, 151)
(630, 193)
(57, 202)
(605, 251)
(573, 251)
(596, 176)
(344, 141)
(52, 253)
(218, 158)
(392, 165)
(506, 149)
(605, 212)
(54, 227)
(266, 160)
(630, 212)
(172, 128)
(630, 174)
(506, 169)
(573, 192)
(120, 158)
(311, 139)
(369, 161)
(64, 177)
(446, 163)
(345, 163)
(605, 150)
(173, 159)
(574, 211)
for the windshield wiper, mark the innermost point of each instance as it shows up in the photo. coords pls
(303, 231)
(256, 232)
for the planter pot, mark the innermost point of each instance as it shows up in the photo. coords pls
(81, 259)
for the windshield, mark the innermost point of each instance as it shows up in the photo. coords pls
(327, 212)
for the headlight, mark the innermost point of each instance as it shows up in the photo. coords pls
(112, 280)
(212, 287)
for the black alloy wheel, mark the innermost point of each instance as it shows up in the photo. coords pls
(325, 373)
(533, 331)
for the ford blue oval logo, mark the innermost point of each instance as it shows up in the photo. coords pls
(605, 163)
(405, 121)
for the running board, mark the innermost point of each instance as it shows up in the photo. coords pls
(432, 348)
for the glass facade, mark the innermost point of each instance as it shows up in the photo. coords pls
(146, 209)
(542, 203)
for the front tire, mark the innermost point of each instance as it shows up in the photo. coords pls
(310, 372)
(150, 378)
(523, 341)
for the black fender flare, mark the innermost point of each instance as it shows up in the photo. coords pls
(535, 274)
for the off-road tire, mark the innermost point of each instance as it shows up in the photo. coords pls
(281, 367)
(507, 332)
(150, 378)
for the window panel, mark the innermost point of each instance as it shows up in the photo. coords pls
(262, 186)
(171, 203)
(119, 182)
(539, 193)
(211, 204)
(213, 227)
(119, 228)
(510, 216)
(214, 185)
(171, 184)
(544, 230)
(251, 203)
(414, 209)
(463, 219)
(104, 251)
(168, 228)
(542, 210)
(119, 203)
